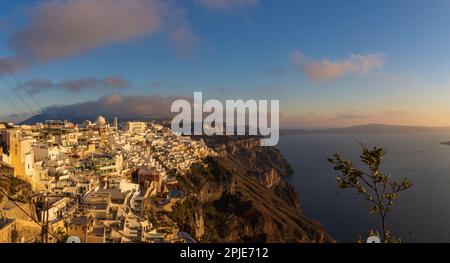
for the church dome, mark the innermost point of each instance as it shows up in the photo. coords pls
(101, 121)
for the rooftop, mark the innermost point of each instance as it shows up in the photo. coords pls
(79, 220)
(4, 222)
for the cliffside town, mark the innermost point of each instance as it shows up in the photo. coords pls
(98, 182)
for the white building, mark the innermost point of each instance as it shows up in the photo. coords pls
(136, 127)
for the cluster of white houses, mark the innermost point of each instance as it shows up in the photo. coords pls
(98, 182)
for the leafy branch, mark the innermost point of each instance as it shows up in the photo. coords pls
(374, 186)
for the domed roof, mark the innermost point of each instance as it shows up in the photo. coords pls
(101, 121)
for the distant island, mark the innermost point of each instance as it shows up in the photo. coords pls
(368, 128)
(446, 143)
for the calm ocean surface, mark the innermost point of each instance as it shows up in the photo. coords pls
(422, 214)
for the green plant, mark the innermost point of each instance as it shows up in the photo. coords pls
(374, 186)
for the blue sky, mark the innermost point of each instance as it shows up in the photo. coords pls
(246, 49)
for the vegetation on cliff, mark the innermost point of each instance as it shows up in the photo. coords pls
(16, 188)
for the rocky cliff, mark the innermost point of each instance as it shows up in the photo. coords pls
(19, 191)
(266, 165)
(242, 197)
(5, 173)
(16, 188)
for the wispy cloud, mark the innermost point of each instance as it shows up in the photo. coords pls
(349, 115)
(325, 69)
(15, 118)
(77, 85)
(118, 105)
(57, 29)
(11, 64)
(226, 4)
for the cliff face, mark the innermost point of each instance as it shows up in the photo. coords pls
(6, 173)
(16, 188)
(19, 191)
(266, 165)
(241, 197)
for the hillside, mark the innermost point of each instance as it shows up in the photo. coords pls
(228, 202)
(16, 188)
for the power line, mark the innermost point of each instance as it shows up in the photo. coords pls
(18, 95)
(10, 101)
(26, 213)
(20, 83)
